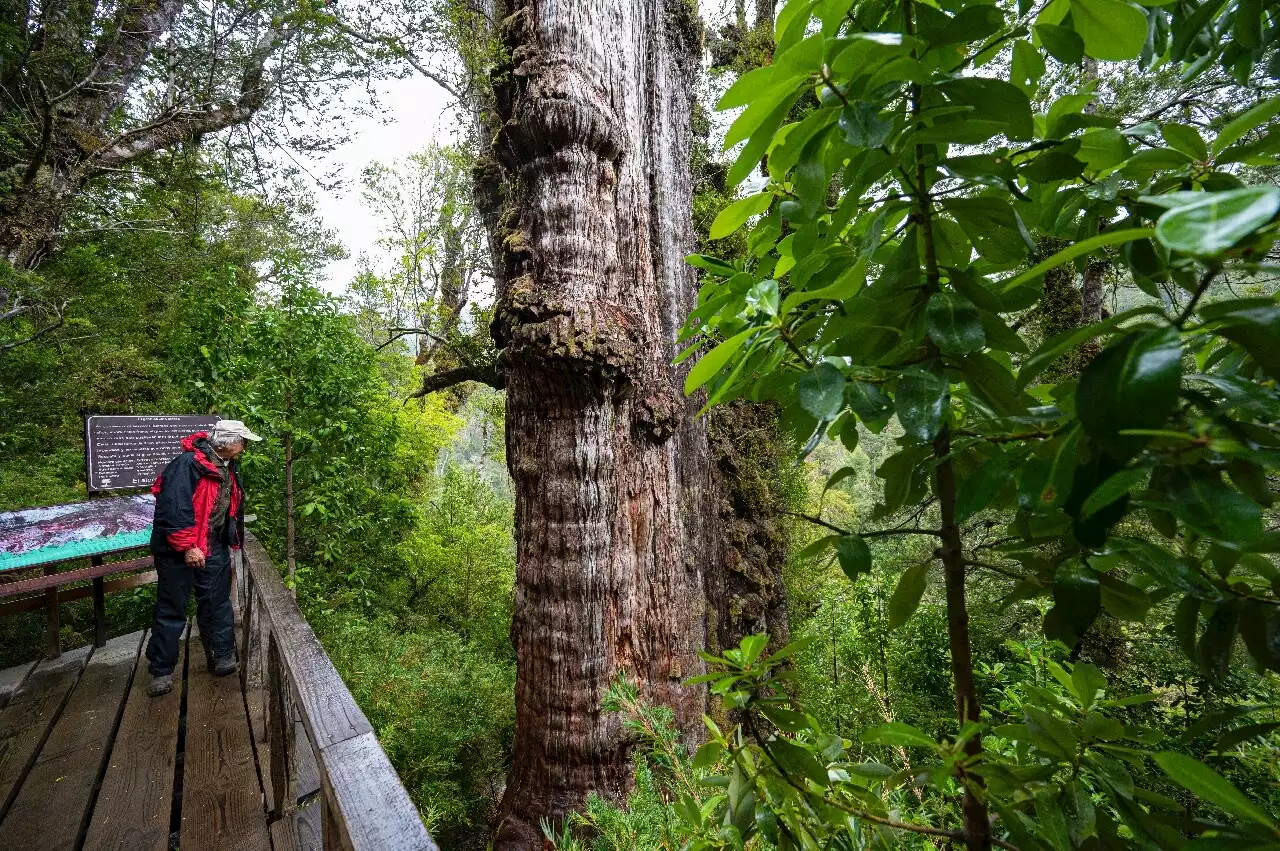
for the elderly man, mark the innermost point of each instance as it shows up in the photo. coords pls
(199, 501)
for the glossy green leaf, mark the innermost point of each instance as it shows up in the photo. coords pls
(1131, 384)
(821, 391)
(976, 491)
(1214, 224)
(1077, 595)
(736, 214)
(1063, 43)
(1207, 784)
(854, 556)
(713, 361)
(1186, 139)
(906, 597)
(896, 733)
(954, 324)
(921, 402)
(1111, 29)
(1255, 116)
(992, 225)
(862, 125)
(872, 407)
(1115, 487)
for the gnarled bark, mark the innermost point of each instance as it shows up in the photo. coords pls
(609, 464)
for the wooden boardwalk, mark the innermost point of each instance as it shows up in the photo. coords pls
(89, 761)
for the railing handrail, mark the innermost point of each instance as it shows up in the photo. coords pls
(365, 805)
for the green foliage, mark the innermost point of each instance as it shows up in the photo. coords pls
(887, 268)
(441, 706)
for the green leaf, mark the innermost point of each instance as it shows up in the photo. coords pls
(1115, 487)
(1213, 650)
(1243, 123)
(896, 733)
(1077, 595)
(1207, 784)
(906, 597)
(713, 361)
(1254, 325)
(1063, 43)
(1131, 384)
(1028, 67)
(992, 384)
(796, 761)
(954, 324)
(863, 127)
(1186, 139)
(1205, 503)
(1112, 29)
(992, 225)
(1102, 148)
(970, 24)
(714, 265)
(736, 214)
(854, 556)
(1123, 599)
(1071, 252)
(747, 87)
(976, 492)
(921, 401)
(872, 407)
(1066, 341)
(1214, 224)
(706, 757)
(821, 391)
(996, 100)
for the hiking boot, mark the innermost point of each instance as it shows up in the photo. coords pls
(222, 667)
(160, 684)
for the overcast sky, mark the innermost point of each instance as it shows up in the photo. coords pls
(413, 115)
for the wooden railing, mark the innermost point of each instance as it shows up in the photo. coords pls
(329, 784)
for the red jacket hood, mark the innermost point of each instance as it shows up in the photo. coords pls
(189, 442)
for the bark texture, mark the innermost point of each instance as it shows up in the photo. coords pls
(610, 467)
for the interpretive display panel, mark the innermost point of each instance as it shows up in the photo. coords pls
(123, 452)
(61, 532)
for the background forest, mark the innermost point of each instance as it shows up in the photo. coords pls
(189, 279)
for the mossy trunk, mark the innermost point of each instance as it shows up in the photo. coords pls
(611, 469)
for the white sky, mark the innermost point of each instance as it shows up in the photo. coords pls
(413, 115)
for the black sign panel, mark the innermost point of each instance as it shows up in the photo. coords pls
(129, 452)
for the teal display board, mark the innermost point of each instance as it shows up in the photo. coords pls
(62, 532)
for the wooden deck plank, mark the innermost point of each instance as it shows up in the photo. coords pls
(132, 812)
(222, 805)
(11, 680)
(27, 719)
(54, 802)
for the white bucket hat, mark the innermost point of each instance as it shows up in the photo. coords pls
(235, 427)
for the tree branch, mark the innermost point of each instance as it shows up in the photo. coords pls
(438, 381)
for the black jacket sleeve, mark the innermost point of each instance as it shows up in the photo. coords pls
(175, 518)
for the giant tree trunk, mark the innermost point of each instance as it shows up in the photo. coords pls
(609, 465)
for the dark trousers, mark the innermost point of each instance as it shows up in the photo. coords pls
(213, 608)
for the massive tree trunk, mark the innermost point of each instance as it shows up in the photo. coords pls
(609, 464)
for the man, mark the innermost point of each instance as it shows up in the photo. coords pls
(199, 503)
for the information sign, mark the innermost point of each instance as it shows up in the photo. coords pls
(124, 452)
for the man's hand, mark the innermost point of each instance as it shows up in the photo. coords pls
(194, 557)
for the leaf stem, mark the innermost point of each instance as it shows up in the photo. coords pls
(1203, 287)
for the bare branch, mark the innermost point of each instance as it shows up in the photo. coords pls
(436, 382)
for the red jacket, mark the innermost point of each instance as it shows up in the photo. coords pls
(186, 492)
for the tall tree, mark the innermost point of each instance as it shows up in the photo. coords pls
(609, 465)
(91, 89)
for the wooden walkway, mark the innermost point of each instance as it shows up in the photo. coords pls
(89, 761)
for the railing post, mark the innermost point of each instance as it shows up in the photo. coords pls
(99, 606)
(246, 635)
(332, 833)
(52, 620)
(277, 724)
